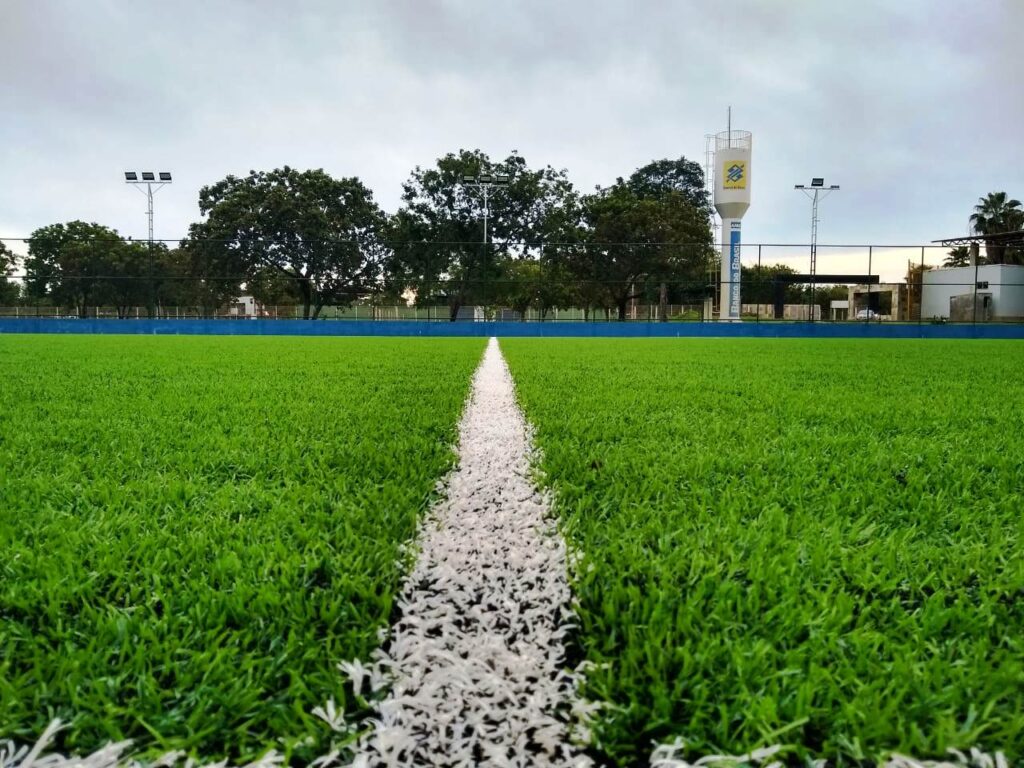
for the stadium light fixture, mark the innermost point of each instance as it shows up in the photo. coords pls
(815, 192)
(146, 186)
(484, 182)
(148, 180)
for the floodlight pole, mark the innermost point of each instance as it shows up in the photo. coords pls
(816, 191)
(484, 182)
(149, 199)
(131, 177)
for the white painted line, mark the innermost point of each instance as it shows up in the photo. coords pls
(476, 659)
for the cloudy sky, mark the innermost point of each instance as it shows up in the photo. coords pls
(916, 107)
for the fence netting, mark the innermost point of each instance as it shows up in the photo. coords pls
(444, 282)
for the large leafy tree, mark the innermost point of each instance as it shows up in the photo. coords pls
(995, 214)
(643, 234)
(80, 264)
(438, 247)
(320, 232)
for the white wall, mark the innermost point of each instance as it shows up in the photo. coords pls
(1005, 283)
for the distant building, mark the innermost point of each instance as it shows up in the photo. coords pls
(245, 306)
(883, 301)
(989, 292)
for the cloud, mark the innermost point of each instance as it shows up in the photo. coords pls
(914, 108)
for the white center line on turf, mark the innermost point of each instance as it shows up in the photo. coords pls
(476, 659)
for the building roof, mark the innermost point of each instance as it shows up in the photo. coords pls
(1000, 238)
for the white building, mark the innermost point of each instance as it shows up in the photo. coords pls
(999, 288)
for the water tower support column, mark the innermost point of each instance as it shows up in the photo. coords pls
(731, 270)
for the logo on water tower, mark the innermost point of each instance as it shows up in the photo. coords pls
(734, 174)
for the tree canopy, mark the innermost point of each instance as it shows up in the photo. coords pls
(661, 177)
(639, 241)
(995, 214)
(10, 292)
(321, 233)
(80, 264)
(439, 250)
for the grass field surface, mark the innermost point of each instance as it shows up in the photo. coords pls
(196, 530)
(806, 542)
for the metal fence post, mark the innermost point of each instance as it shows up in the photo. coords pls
(867, 312)
(920, 302)
(757, 305)
(974, 309)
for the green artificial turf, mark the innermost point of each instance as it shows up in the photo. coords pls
(806, 542)
(194, 531)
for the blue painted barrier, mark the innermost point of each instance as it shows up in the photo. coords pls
(821, 330)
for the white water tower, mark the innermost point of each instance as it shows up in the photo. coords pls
(732, 198)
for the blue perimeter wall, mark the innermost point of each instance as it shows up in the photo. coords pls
(823, 330)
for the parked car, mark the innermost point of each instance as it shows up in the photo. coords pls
(867, 314)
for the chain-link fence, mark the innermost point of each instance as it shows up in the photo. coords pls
(463, 282)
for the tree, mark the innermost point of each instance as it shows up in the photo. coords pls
(759, 284)
(959, 256)
(208, 275)
(538, 283)
(993, 215)
(10, 293)
(75, 264)
(636, 242)
(134, 273)
(319, 232)
(270, 287)
(437, 235)
(661, 177)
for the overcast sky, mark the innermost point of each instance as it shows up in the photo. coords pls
(916, 107)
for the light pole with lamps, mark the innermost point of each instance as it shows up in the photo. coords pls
(484, 182)
(161, 180)
(816, 191)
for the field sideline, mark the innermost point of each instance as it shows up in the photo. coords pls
(800, 542)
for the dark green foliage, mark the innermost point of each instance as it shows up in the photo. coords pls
(79, 265)
(196, 530)
(318, 232)
(801, 542)
(438, 247)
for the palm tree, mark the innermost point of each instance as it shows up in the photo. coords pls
(960, 256)
(993, 215)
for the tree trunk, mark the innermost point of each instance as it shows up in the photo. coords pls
(622, 309)
(453, 310)
(316, 310)
(306, 292)
(663, 302)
